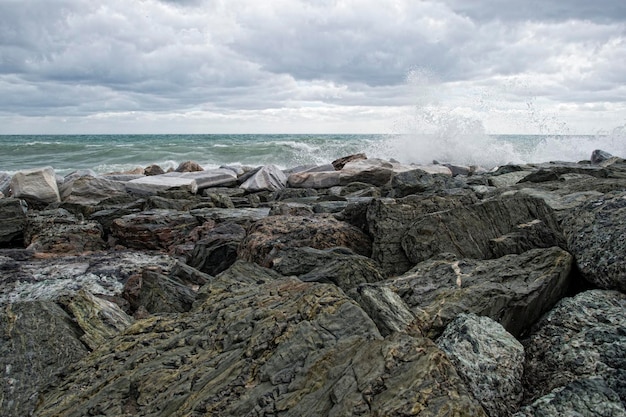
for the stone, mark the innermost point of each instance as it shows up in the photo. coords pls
(189, 166)
(38, 341)
(243, 216)
(339, 163)
(209, 178)
(468, 231)
(386, 309)
(387, 220)
(268, 236)
(217, 250)
(268, 178)
(259, 346)
(581, 337)
(152, 185)
(371, 171)
(88, 190)
(587, 397)
(153, 170)
(315, 180)
(38, 185)
(489, 359)
(153, 229)
(291, 209)
(514, 290)
(5, 183)
(596, 236)
(99, 319)
(419, 181)
(507, 179)
(155, 292)
(12, 221)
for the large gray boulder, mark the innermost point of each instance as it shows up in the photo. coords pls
(37, 342)
(596, 236)
(151, 185)
(314, 179)
(582, 337)
(262, 345)
(38, 185)
(5, 183)
(419, 181)
(268, 178)
(88, 190)
(514, 290)
(489, 359)
(12, 220)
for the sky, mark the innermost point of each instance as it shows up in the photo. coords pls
(311, 66)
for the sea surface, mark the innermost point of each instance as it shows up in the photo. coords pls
(115, 153)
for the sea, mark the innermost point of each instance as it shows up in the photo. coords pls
(119, 153)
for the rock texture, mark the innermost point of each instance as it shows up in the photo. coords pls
(38, 185)
(12, 220)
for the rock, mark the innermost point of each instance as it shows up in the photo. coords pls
(38, 185)
(153, 229)
(419, 181)
(189, 166)
(291, 209)
(241, 216)
(5, 183)
(595, 234)
(38, 341)
(339, 163)
(489, 359)
(581, 337)
(99, 319)
(513, 290)
(152, 185)
(268, 178)
(386, 309)
(217, 251)
(534, 234)
(356, 189)
(315, 180)
(338, 266)
(155, 292)
(262, 347)
(469, 231)
(87, 190)
(598, 156)
(268, 236)
(290, 194)
(371, 171)
(387, 220)
(12, 221)
(507, 179)
(60, 232)
(589, 397)
(210, 178)
(153, 170)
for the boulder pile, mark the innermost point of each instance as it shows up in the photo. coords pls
(362, 287)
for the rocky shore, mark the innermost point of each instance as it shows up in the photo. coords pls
(362, 287)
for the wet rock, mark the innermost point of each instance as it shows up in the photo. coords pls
(599, 156)
(189, 166)
(99, 319)
(217, 250)
(339, 163)
(468, 231)
(419, 181)
(155, 292)
(153, 229)
(279, 346)
(153, 170)
(489, 359)
(513, 290)
(87, 190)
(268, 236)
(581, 337)
(595, 234)
(268, 178)
(37, 185)
(387, 220)
(37, 342)
(12, 221)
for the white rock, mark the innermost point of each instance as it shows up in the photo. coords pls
(206, 179)
(37, 184)
(268, 178)
(155, 183)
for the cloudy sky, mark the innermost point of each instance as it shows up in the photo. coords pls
(311, 66)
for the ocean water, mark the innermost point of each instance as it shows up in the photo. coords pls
(115, 153)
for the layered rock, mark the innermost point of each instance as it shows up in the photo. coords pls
(38, 185)
(268, 178)
(88, 190)
(12, 220)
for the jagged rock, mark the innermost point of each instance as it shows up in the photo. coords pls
(87, 190)
(468, 231)
(150, 185)
(599, 156)
(283, 208)
(189, 166)
(217, 251)
(387, 220)
(208, 179)
(99, 319)
(386, 309)
(268, 236)
(314, 179)
(5, 183)
(507, 179)
(418, 181)
(38, 185)
(155, 292)
(12, 220)
(513, 290)
(60, 232)
(109, 210)
(339, 163)
(37, 341)
(243, 216)
(260, 346)
(489, 359)
(268, 178)
(595, 234)
(153, 229)
(101, 273)
(588, 397)
(356, 189)
(287, 194)
(153, 170)
(338, 266)
(581, 337)
(534, 234)
(157, 202)
(371, 171)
